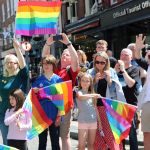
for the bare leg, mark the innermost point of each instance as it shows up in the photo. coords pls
(82, 137)
(91, 138)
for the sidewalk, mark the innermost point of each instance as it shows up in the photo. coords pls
(74, 133)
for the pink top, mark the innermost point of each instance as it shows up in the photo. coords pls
(14, 132)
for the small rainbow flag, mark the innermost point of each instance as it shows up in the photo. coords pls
(120, 116)
(5, 147)
(34, 18)
(60, 94)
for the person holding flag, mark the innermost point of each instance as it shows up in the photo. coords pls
(68, 71)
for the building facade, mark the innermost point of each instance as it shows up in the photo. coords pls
(116, 21)
(7, 26)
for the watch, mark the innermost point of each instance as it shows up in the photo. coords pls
(68, 44)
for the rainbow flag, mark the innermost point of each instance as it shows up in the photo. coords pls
(5, 147)
(34, 18)
(120, 116)
(60, 94)
(40, 121)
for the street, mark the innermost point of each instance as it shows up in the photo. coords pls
(33, 144)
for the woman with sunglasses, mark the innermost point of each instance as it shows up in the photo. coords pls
(15, 76)
(106, 82)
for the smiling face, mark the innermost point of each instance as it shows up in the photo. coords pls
(11, 64)
(126, 56)
(65, 58)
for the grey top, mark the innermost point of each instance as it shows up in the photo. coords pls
(87, 110)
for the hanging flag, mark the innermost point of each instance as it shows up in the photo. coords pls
(5, 147)
(60, 94)
(40, 121)
(120, 116)
(34, 18)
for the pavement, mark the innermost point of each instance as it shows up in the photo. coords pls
(74, 133)
(33, 144)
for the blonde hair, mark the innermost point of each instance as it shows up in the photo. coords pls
(103, 42)
(105, 56)
(91, 88)
(84, 57)
(10, 56)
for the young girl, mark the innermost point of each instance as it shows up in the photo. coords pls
(19, 122)
(87, 119)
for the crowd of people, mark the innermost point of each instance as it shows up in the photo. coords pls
(124, 80)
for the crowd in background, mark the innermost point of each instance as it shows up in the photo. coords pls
(124, 79)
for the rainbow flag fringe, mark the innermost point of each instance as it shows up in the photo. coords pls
(120, 116)
(34, 18)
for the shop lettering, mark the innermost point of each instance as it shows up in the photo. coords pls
(134, 9)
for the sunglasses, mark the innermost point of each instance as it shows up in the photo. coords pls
(100, 62)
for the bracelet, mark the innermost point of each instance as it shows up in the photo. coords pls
(47, 44)
(68, 44)
(121, 72)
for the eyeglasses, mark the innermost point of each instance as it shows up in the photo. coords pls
(100, 62)
(11, 63)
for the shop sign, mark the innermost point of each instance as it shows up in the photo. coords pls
(133, 9)
(80, 37)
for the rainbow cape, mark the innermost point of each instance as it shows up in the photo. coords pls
(34, 18)
(5, 147)
(60, 95)
(120, 116)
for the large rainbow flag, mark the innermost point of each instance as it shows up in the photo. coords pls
(60, 95)
(5, 147)
(34, 18)
(120, 116)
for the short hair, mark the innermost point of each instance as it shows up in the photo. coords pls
(10, 56)
(50, 59)
(102, 42)
(129, 51)
(18, 94)
(131, 45)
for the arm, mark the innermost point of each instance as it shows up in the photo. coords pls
(129, 81)
(46, 48)
(9, 118)
(72, 51)
(81, 96)
(20, 57)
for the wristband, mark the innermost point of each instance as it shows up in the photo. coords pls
(68, 44)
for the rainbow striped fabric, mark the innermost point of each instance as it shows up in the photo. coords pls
(5, 147)
(120, 116)
(34, 18)
(60, 95)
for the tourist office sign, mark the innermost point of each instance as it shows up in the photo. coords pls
(127, 12)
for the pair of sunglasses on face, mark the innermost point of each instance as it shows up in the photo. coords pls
(100, 62)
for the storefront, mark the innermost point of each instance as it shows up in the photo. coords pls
(118, 25)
